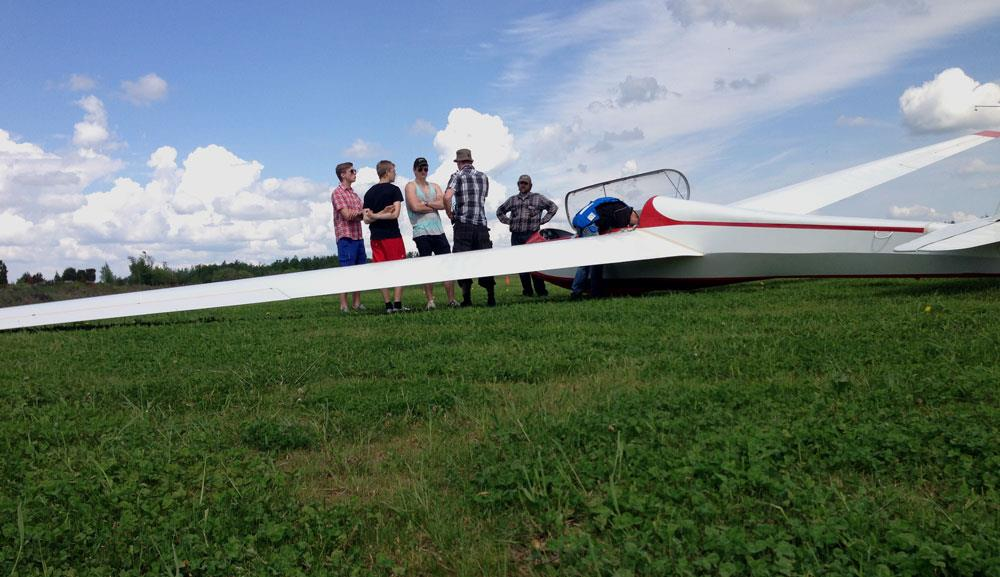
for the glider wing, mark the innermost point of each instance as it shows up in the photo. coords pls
(611, 248)
(812, 195)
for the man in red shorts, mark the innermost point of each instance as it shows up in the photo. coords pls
(381, 213)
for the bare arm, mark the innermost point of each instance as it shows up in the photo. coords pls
(349, 214)
(390, 212)
(413, 202)
(437, 203)
(448, 195)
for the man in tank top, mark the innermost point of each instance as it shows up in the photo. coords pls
(423, 201)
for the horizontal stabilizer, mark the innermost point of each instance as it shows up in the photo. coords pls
(626, 246)
(961, 236)
(812, 195)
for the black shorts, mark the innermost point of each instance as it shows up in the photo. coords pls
(429, 244)
(471, 237)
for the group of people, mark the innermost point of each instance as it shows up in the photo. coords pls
(464, 203)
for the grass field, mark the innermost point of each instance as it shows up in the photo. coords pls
(777, 428)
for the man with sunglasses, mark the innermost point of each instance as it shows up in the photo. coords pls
(525, 213)
(347, 215)
(423, 201)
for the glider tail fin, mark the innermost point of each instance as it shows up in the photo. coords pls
(959, 236)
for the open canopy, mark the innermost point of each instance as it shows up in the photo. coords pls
(634, 190)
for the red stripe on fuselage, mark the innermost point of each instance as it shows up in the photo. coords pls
(651, 217)
(989, 133)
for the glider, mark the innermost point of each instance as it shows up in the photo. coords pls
(679, 243)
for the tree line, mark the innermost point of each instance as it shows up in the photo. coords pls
(145, 270)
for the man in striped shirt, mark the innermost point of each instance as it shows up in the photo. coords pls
(526, 212)
(469, 187)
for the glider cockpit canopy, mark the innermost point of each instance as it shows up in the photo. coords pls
(634, 190)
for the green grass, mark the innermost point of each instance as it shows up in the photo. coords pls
(778, 428)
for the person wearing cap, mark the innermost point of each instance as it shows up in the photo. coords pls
(347, 209)
(381, 213)
(423, 201)
(525, 213)
(468, 188)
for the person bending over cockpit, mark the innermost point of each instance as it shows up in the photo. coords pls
(600, 216)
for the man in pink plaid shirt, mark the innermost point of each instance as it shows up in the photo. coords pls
(347, 226)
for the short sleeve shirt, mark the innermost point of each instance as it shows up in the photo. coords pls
(345, 197)
(471, 188)
(378, 197)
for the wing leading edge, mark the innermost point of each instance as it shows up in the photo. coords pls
(627, 246)
(812, 195)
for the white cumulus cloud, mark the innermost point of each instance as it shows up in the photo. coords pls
(92, 131)
(487, 135)
(145, 89)
(948, 103)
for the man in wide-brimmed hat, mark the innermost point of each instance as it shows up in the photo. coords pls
(469, 187)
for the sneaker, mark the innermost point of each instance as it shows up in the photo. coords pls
(345, 310)
(403, 310)
(544, 294)
(527, 294)
(430, 305)
(576, 296)
(453, 304)
(390, 310)
(465, 303)
(359, 308)
(491, 302)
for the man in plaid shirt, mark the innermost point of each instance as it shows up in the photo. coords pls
(469, 187)
(347, 226)
(524, 213)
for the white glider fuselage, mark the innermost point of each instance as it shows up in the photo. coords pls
(739, 245)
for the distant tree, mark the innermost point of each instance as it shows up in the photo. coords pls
(56, 278)
(140, 269)
(28, 278)
(107, 276)
(87, 275)
(3, 274)
(144, 270)
(69, 275)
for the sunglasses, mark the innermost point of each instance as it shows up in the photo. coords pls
(421, 169)
(353, 171)
(523, 183)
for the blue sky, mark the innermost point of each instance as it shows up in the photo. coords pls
(202, 132)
